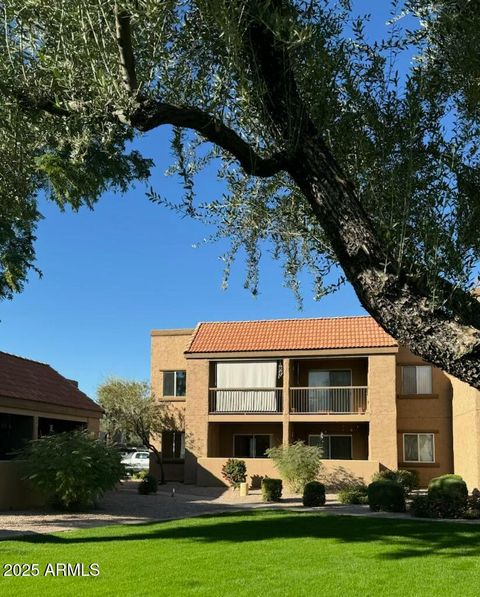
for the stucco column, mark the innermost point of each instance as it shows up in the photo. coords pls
(196, 416)
(466, 431)
(286, 402)
(35, 427)
(382, 438)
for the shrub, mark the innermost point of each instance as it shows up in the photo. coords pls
(72, 469)
(386, 495)
(140, 474)
(234, 472)
(421, 507)
(149, 484)
(297, 463)
(407, 479)
(447, 496)
(356, 494)
(314, 494)
(271, 489)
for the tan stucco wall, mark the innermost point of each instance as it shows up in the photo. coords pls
(16, 494)
(426, 414)
(336, 471)
(382, 410)
(466, 432)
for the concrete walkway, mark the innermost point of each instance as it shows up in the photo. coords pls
(175, 500)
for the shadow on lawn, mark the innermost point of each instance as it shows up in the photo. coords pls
(403, 538)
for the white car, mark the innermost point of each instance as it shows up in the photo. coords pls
(137, 461)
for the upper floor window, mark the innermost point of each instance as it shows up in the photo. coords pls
(174, 383)
(417, 379)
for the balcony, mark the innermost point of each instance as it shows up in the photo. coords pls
(329, 400)
(243, 401)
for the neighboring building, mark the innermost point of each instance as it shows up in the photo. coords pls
(342, 383)
(35, 400)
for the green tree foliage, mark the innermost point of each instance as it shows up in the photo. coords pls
(73, 469)
(329, 151)
(132, 410)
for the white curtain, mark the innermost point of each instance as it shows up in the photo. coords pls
(246, 376)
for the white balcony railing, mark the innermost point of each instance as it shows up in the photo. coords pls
(329, 400)
(245, 400)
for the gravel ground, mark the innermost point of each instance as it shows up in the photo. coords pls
(175, 500)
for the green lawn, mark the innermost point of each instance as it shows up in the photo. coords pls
(257, 553)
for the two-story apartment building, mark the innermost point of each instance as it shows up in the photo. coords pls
(344, 384)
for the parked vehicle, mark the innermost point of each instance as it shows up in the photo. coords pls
(137, 461)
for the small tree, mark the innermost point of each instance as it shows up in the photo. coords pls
(234, 471)
(73, 469)
(297, 463)
(131, 409)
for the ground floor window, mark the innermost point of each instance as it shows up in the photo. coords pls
(334, 447)
(251, 446)
(173, 445)
(418, 447)
(15, 431)
(47, 426)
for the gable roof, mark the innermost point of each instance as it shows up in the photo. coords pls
(289, 334)
(30, 380)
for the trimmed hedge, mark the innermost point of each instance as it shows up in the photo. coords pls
(407, 479)
(271, 489)
(386, 495)
(356, 494)
(314, 494)
(447, 496)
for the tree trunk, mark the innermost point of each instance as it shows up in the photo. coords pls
(448, 335)
(395, 301)
(159, 459)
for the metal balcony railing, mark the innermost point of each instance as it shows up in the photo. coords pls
(329, 400)
(245, 400)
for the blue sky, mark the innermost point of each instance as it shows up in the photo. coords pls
(114, 274)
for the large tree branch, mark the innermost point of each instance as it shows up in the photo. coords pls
(125, 49)
(151, 113)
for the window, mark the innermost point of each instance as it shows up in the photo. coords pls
(173, 445)
(418, 447)
(15, 431)
(251, 446)
(334, 398)
(174, 383)
(334, 447)
(417, 379)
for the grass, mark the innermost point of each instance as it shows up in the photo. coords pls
(264, 552)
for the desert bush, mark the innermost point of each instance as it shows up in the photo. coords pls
(297, 463)
(234, 471)
(386, 495)
(149, 484)
(407, 479)
(271, 489)
(314, 494)
(72, 469)
(356, 494)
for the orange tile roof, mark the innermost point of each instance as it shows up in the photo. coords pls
(30, 380)
(289, 334)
